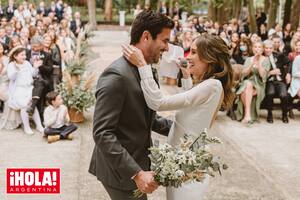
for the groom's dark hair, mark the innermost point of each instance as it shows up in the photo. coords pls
(149, 21)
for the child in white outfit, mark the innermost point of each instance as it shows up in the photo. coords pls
(20, 74)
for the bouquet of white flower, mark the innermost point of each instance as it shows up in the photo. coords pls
(190, 161)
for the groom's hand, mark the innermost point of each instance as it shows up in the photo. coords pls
(145, 181)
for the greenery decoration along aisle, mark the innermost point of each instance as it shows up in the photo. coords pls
(76, 88)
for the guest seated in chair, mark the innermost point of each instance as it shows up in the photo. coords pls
(278, 78)
(43, 82)
(294, 89)
(251, 91)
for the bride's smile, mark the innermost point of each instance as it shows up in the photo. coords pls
(196, 65)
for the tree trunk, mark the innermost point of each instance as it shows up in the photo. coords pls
(148, 2)
(287, 12)
(237, 8)
(158, 5)
(267, 6)
(108, 10)
(272, 13)
(223, 12)
(295, 16)
(171, 8)
(92, 13)
(253, 26)
(129, 6)
(211, 11)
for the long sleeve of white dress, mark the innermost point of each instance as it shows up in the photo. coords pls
(156, 100)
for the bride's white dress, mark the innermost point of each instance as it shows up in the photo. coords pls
(196, 108)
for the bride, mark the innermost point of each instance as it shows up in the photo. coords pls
(209, 66)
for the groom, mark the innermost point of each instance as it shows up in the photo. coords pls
(122, 121)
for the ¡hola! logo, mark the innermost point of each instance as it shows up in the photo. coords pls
(33, 180)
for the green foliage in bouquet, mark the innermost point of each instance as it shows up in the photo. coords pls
(190, 161)
(79, 96)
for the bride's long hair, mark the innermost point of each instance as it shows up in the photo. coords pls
(214, 51)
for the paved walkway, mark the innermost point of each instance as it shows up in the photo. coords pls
(263, 159)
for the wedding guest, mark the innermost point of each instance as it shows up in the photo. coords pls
(175, 32)
(277, 81)
(295, 38)
(20, 73)
(3, 78)
(254, 38)
(261, 17)
(76, 24)
(294, 89)
(163, 8)
(278, 44)
(14, 41)
(234, 42)
(18, 27)
(296, 51)
(1, 11)
(66, 46)
(10, 9)
(287, 33)
(51, 48)
(43, 80)
(138, 9)
(42, 9)
(57, 119)
(168, 68)
(177, 11)
(3, 21)
(187, 40)
(24, 37)
(252, 89)
(262, 32)
(4, 39)
(243, 51)
(52, 8)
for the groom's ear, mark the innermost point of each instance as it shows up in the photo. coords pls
(146, 36)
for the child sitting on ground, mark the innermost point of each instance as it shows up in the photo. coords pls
(56, 119)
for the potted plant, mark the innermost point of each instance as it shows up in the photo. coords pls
(77, 97)
(77, 65)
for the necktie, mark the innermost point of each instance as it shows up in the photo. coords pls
(274, 67)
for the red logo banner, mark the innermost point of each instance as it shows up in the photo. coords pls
(33, 180)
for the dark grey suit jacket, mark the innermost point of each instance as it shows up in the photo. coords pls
(122, 127)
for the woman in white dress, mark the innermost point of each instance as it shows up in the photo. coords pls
(20, 74)
(209, 64)
(167, 65)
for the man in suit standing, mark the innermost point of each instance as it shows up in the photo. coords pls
(76, 24)
(122, 121)
(10, 9)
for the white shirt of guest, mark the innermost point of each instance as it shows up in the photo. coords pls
(55, 117)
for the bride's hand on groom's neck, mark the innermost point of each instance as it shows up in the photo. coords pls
(134, 55)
